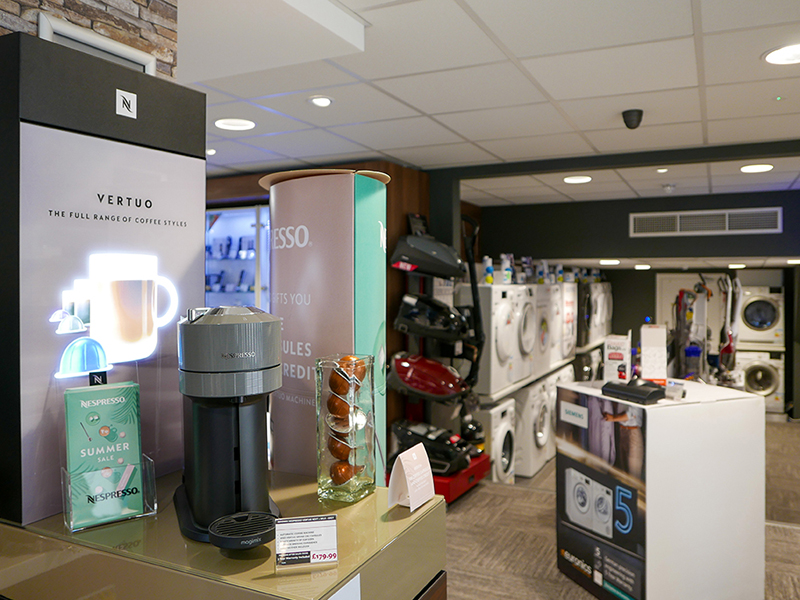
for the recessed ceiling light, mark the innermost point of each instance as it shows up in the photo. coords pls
(642, 267)
(211, 152)
(788, 55)
(756, 168)
(321, 101)
(609, 261)
(793, 261)
(234, 124)
(662, 170)
(737, 266)
(577, 179)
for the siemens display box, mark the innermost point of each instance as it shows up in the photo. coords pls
(328, 285)
(103, 206)
(661, 501)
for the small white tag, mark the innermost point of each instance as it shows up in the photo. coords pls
(126, 104)
(411, 481)
(305, 541)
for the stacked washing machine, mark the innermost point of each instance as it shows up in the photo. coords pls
(594, 312)
(498, 420)
(534, 428)
(760, 352)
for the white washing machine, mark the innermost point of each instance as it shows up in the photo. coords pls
(597, 318)
(588, 504)
(527, 330)
(556, 323)
(533, 429)
(761, 317)
(563, 375)
(544, 345)
(764, 375)
(499, 364)
(566, 336)
(498, 427)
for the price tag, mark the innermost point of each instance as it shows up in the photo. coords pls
(306, 541)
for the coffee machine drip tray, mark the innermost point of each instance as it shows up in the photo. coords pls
(242, 530)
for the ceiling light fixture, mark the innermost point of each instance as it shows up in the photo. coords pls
(642, 267)
(668, 188)
(737, 266)
(609, 262)
(211, 152)
(577, 179)
(788, 55)
(321, 101)
(793, 261)
(234, 124)
(756, 168)
(662, 170)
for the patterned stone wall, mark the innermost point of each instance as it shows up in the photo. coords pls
(147, 25)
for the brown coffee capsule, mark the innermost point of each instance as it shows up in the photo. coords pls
(342, 472)
(338, 407)
(338, 449)
(353, 366)
(339, 382)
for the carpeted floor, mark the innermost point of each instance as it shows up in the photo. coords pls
(501, 539)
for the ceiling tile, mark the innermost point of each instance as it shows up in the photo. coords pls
(266, 121)
(416, 37)
(771, 179)
(302, 144)
(540, 196)
(217, 171)
(622, 70)
(352, 157)
(428, 157)
(735, 56)
(282, 80)
(721, 15)
(755, 129)
(536, 28)
(790, 164)
(668, 106)
(398, 133)
(508, 122)
(755, 187)
(556, 180)
(688, 186)
(356, 103)
(471, 88)
(598, 191)
(487, 200)
(647, 138)
(539, 147)
(212, 96)
(230, 152)
(497, 184)
(673, 172)
(753, 99)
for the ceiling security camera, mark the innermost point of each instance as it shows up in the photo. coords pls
(632, 117)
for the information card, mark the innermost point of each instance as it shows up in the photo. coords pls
(305, 541)
(411, 482)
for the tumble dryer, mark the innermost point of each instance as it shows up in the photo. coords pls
(533, 429)
(563, 376)
(527, 330)
(498, 422)
(499, 363)
(543, 346)
(764, 375)
(761, 316)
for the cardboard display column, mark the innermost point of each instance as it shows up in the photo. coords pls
(103, 201)
(328, 285)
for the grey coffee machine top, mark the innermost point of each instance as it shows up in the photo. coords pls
(229, 351)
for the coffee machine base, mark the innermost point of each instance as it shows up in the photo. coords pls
(255, 530)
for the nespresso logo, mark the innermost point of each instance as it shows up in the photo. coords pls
(127, 201)
(290, 237)
(230, 355)
(102, 402)
(109, 495)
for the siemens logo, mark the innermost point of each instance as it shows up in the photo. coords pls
(575, 415)
(230, 355)
(290, 237)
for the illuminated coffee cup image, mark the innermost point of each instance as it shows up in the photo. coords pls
(123, 302)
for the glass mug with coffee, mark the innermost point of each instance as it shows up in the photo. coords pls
(123, 302)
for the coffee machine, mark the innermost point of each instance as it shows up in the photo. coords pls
(229, 360)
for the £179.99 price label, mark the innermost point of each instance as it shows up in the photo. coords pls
(323, 556)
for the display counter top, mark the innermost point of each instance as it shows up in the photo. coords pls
(393, 553)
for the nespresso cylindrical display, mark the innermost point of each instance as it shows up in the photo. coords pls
(230, 360)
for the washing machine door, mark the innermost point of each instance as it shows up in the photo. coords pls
(541, 425)
(760, 313)
(761, 378)
(582, 496)
(527, 328)
(504, 332)
(504, 451)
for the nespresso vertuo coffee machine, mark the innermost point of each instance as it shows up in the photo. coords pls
(229, 360)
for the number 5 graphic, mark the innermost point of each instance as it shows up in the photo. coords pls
(620, 495)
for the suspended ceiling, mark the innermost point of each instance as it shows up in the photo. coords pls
(453, 83)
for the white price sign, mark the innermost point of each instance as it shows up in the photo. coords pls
(305, 540)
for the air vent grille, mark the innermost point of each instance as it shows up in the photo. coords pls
(707, 222)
